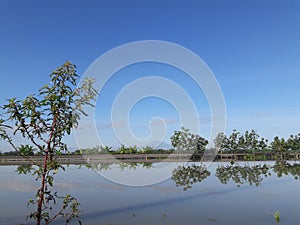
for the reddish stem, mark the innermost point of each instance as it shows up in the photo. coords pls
(45, 169)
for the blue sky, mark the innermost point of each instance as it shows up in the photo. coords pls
(252, 47)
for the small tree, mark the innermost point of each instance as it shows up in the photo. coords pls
(293, 143)
(44, 119)
(184, 141)
(279, 145)
(233, 141)
(220, 143)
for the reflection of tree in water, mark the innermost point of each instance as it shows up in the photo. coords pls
(135, 165)
(186, 176)
(243, 174)
(122, 166)
(147, 165)
(98, 166)
(131, 166)
(285, 168)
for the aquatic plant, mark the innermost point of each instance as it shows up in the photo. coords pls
(276, 216)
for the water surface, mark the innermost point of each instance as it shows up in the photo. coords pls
(206, 201)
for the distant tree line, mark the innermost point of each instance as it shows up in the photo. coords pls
(238, 142)
(123, 150)
(184, 141)
(22, 150)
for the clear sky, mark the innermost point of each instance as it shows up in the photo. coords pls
(252, 47)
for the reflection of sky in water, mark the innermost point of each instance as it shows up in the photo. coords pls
(208, 202)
